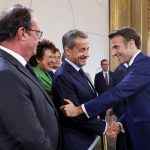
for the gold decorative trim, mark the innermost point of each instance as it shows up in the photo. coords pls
(148, 16)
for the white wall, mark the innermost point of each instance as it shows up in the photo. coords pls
(58, 16)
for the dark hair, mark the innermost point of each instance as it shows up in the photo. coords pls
(103, 61)
(12, 19)
(127, 33)
(57, 50)
(63, 56)
(42, 46)
(69, 37)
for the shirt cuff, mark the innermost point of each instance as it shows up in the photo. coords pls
(83, 108)
(105, 127)
(122, 129)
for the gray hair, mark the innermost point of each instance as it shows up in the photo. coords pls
(69, 37)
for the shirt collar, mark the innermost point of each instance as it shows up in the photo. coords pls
(72, 64)
(17, 56)
(105, 72)
(126, 65)
(132, 59)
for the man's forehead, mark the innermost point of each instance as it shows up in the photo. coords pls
(117, 38)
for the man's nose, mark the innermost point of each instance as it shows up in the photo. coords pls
(114, 52)
(86, 53)
(53, 60)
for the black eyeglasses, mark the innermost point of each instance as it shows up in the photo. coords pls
(38, 33)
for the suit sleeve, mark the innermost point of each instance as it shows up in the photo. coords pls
(135, 81)
(63, 88)
(18, 114)
(97, 85)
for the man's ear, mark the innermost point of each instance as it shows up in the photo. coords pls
(21, 33)
(67, 50)
(131, 43)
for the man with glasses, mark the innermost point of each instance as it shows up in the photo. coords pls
(28, 119)
(38, 33)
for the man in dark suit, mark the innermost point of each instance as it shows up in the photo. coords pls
(70, 82)
(103, 81)
(125, 43)
(28, 119)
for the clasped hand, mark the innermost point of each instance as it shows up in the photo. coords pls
(70, 110)
(113, 129)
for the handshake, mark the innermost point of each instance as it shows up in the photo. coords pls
(70, 110)
(113, 129)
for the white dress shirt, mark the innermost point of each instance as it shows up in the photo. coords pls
(16, 55)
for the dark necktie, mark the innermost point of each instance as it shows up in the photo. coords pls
(106, 78)
(28, 66)
(82, 73)
(87, 80)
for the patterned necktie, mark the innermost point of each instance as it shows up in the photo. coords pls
(106, 78)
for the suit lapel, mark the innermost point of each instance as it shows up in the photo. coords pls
(75, 74)
(137, 59)
(24, 71)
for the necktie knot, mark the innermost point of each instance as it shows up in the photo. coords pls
(82, 73)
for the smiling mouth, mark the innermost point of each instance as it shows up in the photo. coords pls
(83, 59)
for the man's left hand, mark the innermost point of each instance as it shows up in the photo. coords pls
(70, 110)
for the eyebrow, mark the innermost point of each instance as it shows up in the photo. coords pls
(115, 46)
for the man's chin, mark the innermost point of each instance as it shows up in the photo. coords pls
(83, 64)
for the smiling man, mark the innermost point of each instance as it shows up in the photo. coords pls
(28, 118)
(125, 43)
(70, 82)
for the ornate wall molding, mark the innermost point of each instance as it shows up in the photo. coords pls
(131, 13)
(148, 16)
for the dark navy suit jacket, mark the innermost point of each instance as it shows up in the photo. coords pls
(77, 133)
(100, 84)
(118, 75)
(28, 118)
(136, 87)
(123, 140)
